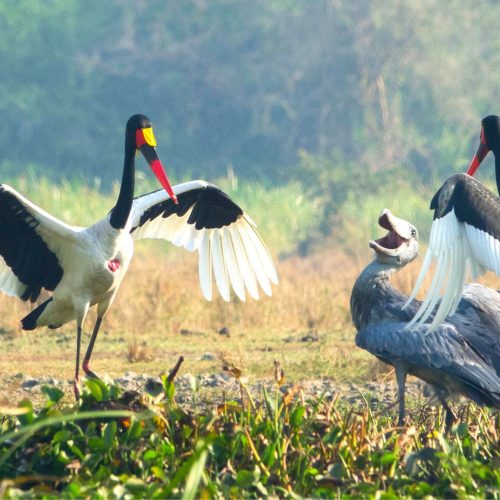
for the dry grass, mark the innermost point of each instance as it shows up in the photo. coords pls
(160, 314)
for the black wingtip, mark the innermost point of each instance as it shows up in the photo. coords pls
(29, 321)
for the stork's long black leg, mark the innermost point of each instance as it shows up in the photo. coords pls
(86, 360)
(76, 384)
(401, 378)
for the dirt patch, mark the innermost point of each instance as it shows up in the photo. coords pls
(206, 391)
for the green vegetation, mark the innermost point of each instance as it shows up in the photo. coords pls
(125, 445)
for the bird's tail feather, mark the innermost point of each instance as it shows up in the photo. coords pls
(29, 321)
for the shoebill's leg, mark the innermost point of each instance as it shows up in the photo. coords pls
(450, 415)
(101, 311)
(401, 374)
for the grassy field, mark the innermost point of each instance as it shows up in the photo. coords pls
(308, 448)
(160, 313)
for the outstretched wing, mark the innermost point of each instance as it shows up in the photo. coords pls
(31, 241)
(464, 242)
(207, 220)
(437, 356)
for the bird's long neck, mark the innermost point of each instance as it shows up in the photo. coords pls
(374, 299)
(121, 211)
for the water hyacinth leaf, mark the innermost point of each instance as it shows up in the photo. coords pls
(53, 394)
(150, 455)
(96, 443)
(27, 417)
(61, 436)
(95, 389)
(388, 458)
(245, 478)
(74, 489)
(76, 451)
(297, 416)
(168, 449)
(135, 485)
(269, 455)
(134, 432)
(159, 473)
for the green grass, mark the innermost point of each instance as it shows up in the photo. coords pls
(132, 446)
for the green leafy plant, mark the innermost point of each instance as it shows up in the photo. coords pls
(131, 444)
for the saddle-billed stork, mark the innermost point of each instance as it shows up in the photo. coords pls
(84, 267)
(465, 233)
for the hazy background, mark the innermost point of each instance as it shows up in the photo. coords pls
(344, 96)
(312, 115)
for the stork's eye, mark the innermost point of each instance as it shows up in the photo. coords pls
(413, 232)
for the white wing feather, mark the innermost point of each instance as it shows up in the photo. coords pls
(461, 252)
(9, 284)
(234, 255)
(53, 230)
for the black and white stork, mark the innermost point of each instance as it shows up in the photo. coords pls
(84, 267)
(465, 233)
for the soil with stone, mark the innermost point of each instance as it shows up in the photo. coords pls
(203, 392)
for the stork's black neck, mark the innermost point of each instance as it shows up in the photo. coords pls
(121, 211)
(497, 170)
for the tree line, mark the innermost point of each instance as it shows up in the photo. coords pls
(246, 86)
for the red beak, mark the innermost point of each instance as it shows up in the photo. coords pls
(149, 152)
(482, 151)
(159, 171)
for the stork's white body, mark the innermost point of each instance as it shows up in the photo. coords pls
(88, 279)
(94, 260)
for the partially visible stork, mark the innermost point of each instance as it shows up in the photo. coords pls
(462, 356)
(84, 267)
(465, 233)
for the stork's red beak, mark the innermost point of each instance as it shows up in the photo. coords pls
(159, 171)
(482, 151)
(146, 143)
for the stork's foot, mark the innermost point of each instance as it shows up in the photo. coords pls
(88, 372)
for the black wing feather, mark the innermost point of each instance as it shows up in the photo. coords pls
(473, 203)
(23, 249)
(434, 356)
(212, 208)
